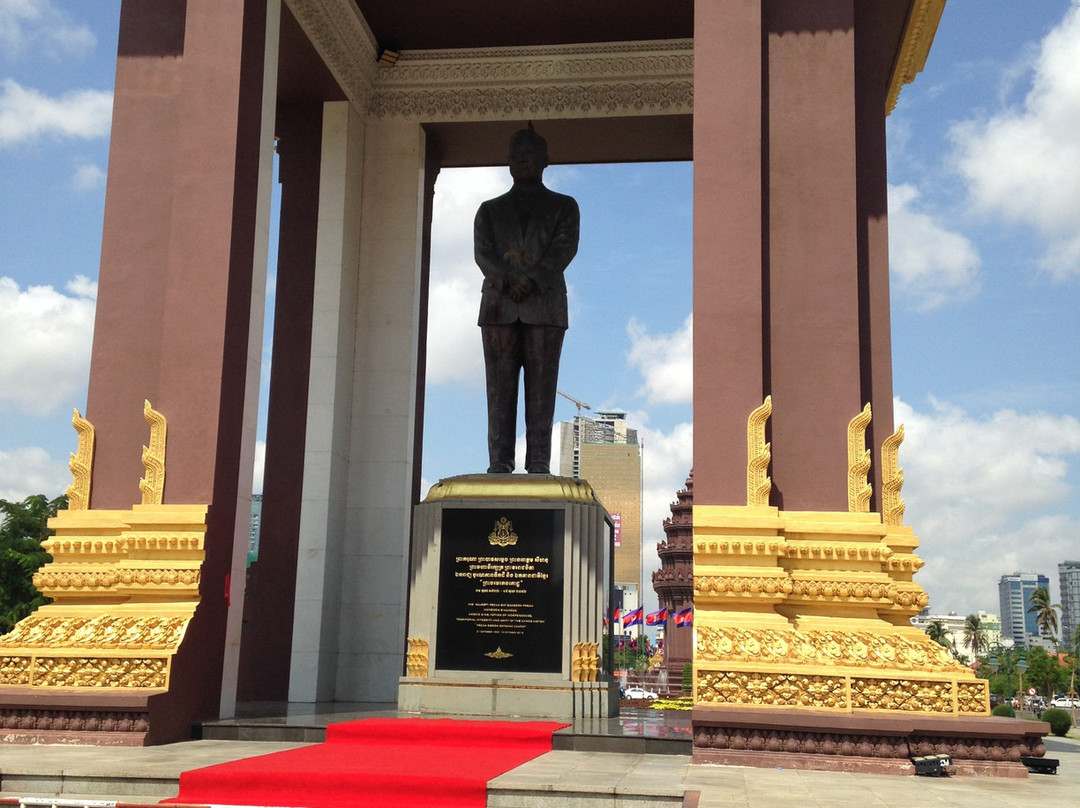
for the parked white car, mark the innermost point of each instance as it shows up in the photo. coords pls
(1065, 701)
(639, 693)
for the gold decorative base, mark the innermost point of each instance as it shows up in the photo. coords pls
(812, 610)
(124, 585)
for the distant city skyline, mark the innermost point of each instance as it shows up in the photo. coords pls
(1019, 623)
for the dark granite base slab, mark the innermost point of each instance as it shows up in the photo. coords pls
(863, 742)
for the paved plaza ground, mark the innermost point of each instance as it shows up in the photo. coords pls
(559, 779)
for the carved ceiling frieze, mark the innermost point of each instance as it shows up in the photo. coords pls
(579, 80)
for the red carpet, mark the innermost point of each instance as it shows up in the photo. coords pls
(418, 762)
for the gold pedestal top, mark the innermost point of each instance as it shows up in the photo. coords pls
(536, 487)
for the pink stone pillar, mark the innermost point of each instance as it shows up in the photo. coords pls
(790, 243)
(174, 295)
(873, 71)
(729, 360)
(814, 339)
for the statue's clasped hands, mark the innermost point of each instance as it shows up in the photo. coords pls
(519, 286)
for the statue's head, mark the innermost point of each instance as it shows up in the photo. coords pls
(528, 156)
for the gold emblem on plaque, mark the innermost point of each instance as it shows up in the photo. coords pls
(503, 535)
(498, 653)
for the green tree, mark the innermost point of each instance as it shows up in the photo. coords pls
(1045, 673)
(975, 635)
(24, 527)
(1046, 613)
(937, 632)
(1004, 681)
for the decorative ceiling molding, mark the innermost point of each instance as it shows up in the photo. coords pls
(344, 41)
(919, 33)
(560, 81)
(580, 80)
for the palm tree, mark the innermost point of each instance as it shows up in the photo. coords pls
(975, 635)
(937, 632)
(1045, 612)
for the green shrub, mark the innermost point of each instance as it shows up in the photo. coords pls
(1059, 721)
(1005, 710)
(688, 678)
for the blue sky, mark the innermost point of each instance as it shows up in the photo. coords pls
(984, 172)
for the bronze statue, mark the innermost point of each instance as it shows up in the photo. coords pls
(523, 241)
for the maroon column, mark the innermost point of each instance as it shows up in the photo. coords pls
(872, 74)
(729, 358)
(174, 296)
(266, 644)
(813, 257)
(790, 245)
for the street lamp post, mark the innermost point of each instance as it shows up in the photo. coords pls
(1021, 666)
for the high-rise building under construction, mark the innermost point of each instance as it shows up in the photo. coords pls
(604, 451)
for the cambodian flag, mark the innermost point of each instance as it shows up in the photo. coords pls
(633, 618)
(657, 618)
(684, 618)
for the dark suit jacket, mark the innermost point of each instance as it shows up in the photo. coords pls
(548, 244)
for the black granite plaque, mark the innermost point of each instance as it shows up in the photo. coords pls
(501, 590)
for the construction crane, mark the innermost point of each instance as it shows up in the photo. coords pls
(577, 430)
(579, 404)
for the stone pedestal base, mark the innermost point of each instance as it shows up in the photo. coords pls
(878, 744)
(510, 696)
(76, 717)
(509, 581)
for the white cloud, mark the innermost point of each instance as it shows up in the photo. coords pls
(88, 177)
(29, 470)
(46, 337)
(1024, 162)
(929, 264)
(666, 459)
(38, 25)
(988, 496)
(26, 114)
(454, 350)
(665, 362)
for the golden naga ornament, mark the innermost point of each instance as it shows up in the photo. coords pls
(81, 465)
(859, 490)
(417, 659)
(892, 506)
(759, 455)
(152, 485)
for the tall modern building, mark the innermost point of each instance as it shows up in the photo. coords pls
(604, 451)
(1069, 583)
(1017, 623)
